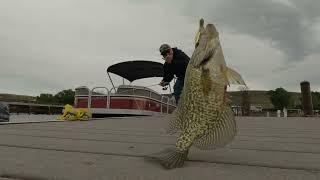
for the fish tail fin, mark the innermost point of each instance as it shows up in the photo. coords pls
(169, 158)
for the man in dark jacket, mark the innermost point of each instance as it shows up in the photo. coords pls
(176, 62)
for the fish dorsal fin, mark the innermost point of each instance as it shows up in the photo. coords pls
(200, 31)
(234, 77)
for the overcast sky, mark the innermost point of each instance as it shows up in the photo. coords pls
(47, 46)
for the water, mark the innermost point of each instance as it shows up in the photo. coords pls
(14, 118)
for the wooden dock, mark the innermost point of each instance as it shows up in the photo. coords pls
(114, 148)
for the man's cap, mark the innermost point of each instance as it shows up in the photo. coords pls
(164, 48)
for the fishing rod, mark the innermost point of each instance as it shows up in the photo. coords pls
(164, 88)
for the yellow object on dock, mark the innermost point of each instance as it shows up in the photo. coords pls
(75, 114)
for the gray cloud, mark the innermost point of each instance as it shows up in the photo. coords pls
(47, 46)
(286, 24)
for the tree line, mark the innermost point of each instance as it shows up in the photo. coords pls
(63, 97)
(281, 98)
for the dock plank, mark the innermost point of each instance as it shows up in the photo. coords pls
(114, 148)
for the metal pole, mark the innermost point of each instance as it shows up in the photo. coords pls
(89, 99)
(111, 81)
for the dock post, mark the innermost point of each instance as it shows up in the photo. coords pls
(306, 98)
(285, 112)
(278, 113)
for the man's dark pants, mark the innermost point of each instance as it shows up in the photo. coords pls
(178, 86)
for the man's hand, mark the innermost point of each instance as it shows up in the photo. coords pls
(162, 83)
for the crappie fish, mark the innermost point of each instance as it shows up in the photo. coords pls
(203, 117)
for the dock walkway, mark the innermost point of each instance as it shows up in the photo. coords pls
(113, 148)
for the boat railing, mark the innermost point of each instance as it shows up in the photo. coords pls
(165, 101)
(162, 99)
(92, 94)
